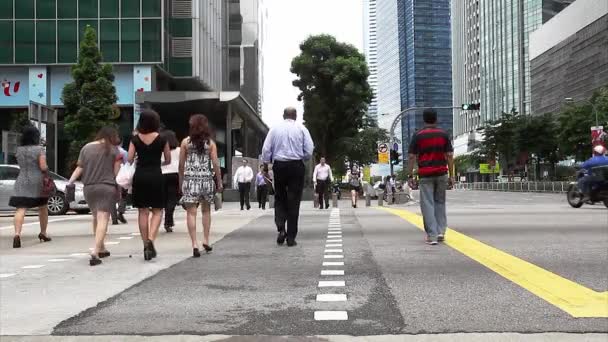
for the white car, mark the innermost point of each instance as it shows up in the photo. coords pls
(57, 204)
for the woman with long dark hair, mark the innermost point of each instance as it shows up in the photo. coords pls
(171, 179)
(98, 165)
(31, 158)
(198, 164)
(148, 188)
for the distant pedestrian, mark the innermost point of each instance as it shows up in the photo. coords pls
(198, 166)
(354, 181)
(261, 187)
(118, 211)
(322, 178)
(432, 148)
(148, 188)
(242, 178)
(171, 179)
(287, 146)
(393, 184)
(31, 158)
(98, 165)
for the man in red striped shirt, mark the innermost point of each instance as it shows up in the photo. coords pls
(432, 148)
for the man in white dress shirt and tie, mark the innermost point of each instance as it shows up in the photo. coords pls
(243, 177)
(287, 146)
(322, 178)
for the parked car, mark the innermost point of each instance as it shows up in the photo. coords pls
(57, 204)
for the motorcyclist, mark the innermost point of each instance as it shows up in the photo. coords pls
(586, 182)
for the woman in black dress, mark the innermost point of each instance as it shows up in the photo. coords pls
(148, 186)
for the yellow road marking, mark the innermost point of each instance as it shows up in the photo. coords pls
(575, 299)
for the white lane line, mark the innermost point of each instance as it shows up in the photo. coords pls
(334, 233)
(78, 254)
(32, 266)
(125, 238)
(6, 275)
(334, 236)
(332, 272)
(112, 242)
(335, 225)
(38, 222)
(330, 240)
(333, 256)
(331, 316)
(333, 245)
(57, 260)
(334, 251)
(334, 228)
(332, 283)
(136, 234)
(333, 263)
(331, 297)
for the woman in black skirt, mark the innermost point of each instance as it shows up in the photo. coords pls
(28, 186)
(171, 179)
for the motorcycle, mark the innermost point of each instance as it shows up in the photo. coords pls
(599, 193)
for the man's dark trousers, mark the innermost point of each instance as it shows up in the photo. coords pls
(288, 185)
(322, 186)
(244, 189)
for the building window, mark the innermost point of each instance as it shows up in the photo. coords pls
(109, 36)
(6, 10)
(151, 34)
(87, 8)
(45, 41)
(24, 9)
(108, 8)
(45, 9)
(129, 8)
(130, 43)
(67, 8)
(24, 41)
(151, 8)
(67, 39)
(6, 39)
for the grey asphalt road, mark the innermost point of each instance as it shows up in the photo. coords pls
(394, 283)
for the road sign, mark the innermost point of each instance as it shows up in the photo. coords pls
(382, 148)
(383, 154)
(396, 147)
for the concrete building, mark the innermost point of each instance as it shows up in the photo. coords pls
(179, 57)
(370, 47)
(569, 56)
(425, 61)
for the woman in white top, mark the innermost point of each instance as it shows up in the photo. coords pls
(171, 179)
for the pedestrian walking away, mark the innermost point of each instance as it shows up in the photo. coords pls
(199, 177)
(98, 165)
(354, 182)
(287, 146)
(262, 184)
(118, 211)
(171, 179)
(28, 191)
(431, 148)
(148, 188)
(242, 178)
(322, 178)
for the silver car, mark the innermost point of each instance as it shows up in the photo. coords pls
(57, 204)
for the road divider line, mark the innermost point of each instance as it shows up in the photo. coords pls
(109, 243)
(330, 240)
(6, 275)
(331, 316)
(57, 260)
(125, 238)
(332, 272)
(334, 251)
(333, 245)
(332, 283)
(28, 267)
(333, 263)
(331, 297)
(38, 222)
(573, 298)
(333, 256)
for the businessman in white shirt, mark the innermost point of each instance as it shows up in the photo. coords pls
(322, 178)
(242, 178)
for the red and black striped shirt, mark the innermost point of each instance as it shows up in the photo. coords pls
(431, 144)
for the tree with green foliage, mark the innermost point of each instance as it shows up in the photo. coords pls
(498, 144)
(88, 100)
(537, 135)
(362, 148)
(19, 120)
(575, 122)
(332, 79)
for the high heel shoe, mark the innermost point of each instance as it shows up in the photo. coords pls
(147, 252)
(17, 241)
(44, 238)
(196, 253)
(151, 245)
(207, 248)
(94, 261)
(104, 254)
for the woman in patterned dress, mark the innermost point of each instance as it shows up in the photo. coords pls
(198, 164)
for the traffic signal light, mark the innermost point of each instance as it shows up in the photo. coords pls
(395, 157)
(470, 106)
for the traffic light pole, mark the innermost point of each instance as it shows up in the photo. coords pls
(400, 117)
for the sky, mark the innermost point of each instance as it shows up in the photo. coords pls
(289, 23)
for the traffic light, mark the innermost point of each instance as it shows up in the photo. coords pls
(470, 106)
(395, 157)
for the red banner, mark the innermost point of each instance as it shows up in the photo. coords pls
(598, 136)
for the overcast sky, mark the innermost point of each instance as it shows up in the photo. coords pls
(289, 23)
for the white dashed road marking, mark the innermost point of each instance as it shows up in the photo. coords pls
(112, 243)
(331, 316)
(332, 283)
(78, 254)
(333, 240)
(32, 266)
(6, 275)
(333, 256)
(332, 272)
(57, 260)
(331, 297)
(333, 263)
(135, 234)
(334, 251)
(333, 245)
(125, 238)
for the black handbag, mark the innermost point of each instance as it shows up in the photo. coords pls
(70, 193)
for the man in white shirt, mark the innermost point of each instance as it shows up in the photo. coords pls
(243, 177)
(322, 178)
(287, 146)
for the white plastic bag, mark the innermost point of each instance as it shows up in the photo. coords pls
(124, 178)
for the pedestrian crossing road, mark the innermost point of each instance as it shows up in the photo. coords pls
(509, 264)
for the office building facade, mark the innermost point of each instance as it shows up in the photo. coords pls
(370, 47)
(569, 56)
(425, 61)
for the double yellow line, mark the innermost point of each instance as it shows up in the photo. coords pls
(575, 299)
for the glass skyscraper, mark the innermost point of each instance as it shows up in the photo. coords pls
(370, 42)
(425, 62)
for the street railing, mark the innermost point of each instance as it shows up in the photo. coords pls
(556, 187)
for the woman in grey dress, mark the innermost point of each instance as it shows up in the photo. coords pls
(198, 164)
(98, 164)
(28, 186)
